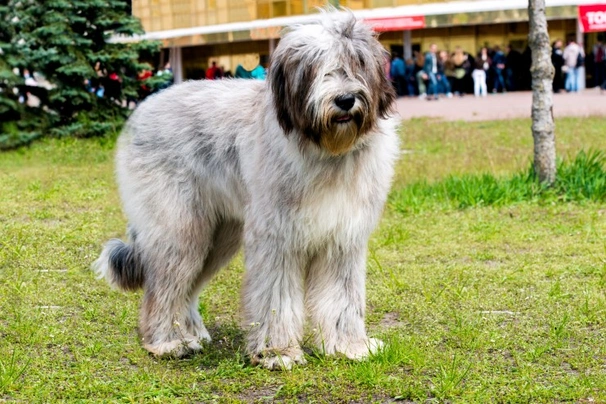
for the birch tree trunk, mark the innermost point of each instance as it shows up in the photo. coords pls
(542, 70)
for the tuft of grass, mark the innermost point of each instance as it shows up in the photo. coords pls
(578, 180)
(11, 369)
(449, 378)
(583, 178)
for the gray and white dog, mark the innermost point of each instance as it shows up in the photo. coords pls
(296, 168)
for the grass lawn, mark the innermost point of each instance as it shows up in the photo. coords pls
(486, 304)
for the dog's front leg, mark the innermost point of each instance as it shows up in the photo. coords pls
(273, 302)
(335, 301)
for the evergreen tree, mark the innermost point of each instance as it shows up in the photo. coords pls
(63, 41)
(11, 111)
(9, 106)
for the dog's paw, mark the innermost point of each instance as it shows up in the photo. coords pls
(280, 361)
(362, 349)
(200, 332)
(176, 348)
(194, 326)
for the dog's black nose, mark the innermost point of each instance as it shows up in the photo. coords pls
(345, 102)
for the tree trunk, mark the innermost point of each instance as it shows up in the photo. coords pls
(543, 127)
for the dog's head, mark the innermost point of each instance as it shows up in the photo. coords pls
(328, 83)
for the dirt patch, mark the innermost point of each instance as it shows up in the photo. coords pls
(390, 320)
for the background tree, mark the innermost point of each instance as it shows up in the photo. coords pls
(542, 70)
(11, 111)
(64, 41)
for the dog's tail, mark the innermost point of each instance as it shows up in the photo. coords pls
(120, 265)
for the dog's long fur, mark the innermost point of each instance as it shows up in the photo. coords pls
(281, 166)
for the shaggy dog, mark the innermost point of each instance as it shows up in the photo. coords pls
(296, 168)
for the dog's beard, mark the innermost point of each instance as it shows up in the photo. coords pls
(341, 133)
(340, 130)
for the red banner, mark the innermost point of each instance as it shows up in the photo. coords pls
(396, 23)
(593, 17)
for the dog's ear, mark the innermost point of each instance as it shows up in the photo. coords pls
(278, 85)
(291, 78)
(387, 95)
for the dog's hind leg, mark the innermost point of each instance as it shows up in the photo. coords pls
(173, 262)
(226, 242)
(335, 301)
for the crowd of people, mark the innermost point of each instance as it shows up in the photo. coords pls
(568, 61)
(109, 84)
(427, 75)
(438, 73)
(215, 72)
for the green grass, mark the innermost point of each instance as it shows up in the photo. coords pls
(580, 179)
(492, 303)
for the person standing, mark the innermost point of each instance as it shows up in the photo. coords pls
(26, 91)
(144, 90)
(258, 73)
(482, 64)
(167, 75)
(420, 75)
(498, 65)
(212, 71)
(599, 63)
(573, 59)
(410, 78)
(462, 68)
(430, 68)
(445, 69)
(557, 59)
(513, 62)
(397, 73)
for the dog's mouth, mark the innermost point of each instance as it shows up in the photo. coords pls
(343, 119)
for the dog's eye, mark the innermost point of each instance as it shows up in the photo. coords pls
(361, 61)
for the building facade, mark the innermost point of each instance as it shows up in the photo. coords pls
(232, 32)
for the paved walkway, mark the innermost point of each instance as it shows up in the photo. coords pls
(501, 106)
